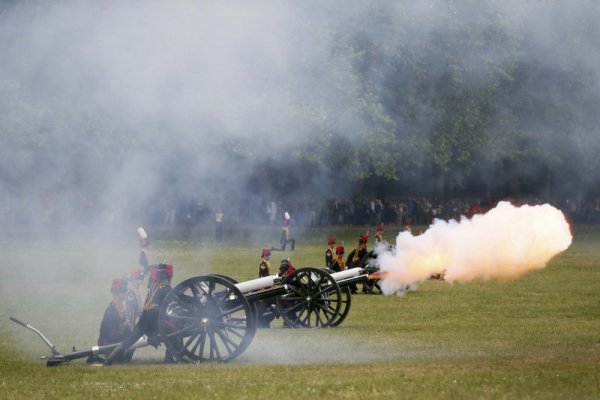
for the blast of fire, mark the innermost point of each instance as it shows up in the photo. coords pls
(504, 243)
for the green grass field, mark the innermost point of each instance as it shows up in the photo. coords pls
(534, 337)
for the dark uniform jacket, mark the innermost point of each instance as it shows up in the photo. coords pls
(328, 257)
(113, 327)
(264, 268)
(148, 322)
(355, 257)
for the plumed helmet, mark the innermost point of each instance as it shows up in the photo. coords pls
(144, 241)
(380, 227)
(363, 239)
(331, 240)
(339, 250)
(162, 272)
(118, 286)
(142, 233)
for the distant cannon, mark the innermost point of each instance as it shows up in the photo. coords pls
(213, 318)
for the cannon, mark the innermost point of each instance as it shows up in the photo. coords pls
(213, 318)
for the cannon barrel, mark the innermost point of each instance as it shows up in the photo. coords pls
(258, 284)
(266, 293)
(348, 273)
(350, 276)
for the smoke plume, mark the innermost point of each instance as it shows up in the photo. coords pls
(504, 243)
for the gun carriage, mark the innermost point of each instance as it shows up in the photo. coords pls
(213, 318)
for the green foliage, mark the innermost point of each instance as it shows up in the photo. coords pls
(471, 90)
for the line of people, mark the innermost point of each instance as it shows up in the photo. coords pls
(335, 258)
(359, 257)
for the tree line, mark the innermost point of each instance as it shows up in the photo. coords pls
(466, 97)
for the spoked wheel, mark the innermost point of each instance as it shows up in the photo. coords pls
(313, 299)
(206, 319)
(345, 303)
(253, 306)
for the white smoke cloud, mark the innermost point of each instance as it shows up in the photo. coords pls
(504, 243)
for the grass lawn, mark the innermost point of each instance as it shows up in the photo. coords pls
(534, 337)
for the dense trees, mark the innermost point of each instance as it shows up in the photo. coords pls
(442, 98)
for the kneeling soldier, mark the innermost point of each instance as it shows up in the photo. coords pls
(148, 322)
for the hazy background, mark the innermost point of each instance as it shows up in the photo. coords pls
(112, 111)
(109, 108)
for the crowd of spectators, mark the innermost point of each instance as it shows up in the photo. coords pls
(252, 209)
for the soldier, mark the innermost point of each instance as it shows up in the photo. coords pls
(338, 264)
(356, 257)
(264, 268)
(143, 258)
(285, 234)
(285, 268)
(329, 252)
(219, 225)
(264, 309)
(114, 326)
(148, 322)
